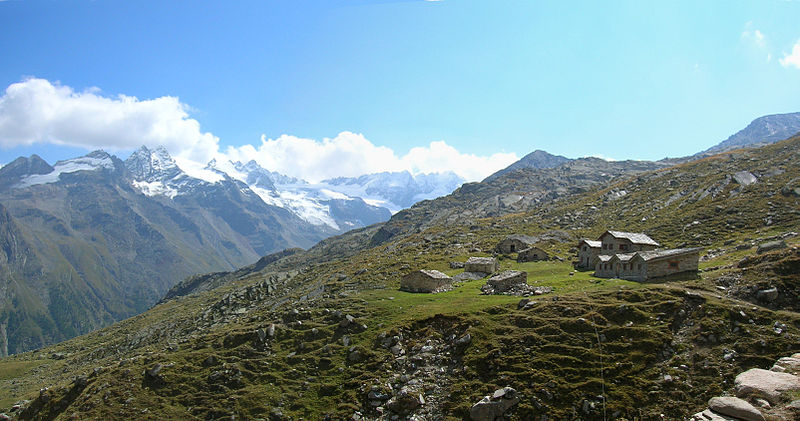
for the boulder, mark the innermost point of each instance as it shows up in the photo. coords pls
(770, 245)
(766, 384)
(469, 276)
(735, 407)
(769, 295)
(709, 415)
(789, 365)
(456, 265)
(745, 178)
(491, 407)
(403, 403)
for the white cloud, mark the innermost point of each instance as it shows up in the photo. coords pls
(351, 154)
(38, 111)
(793, 59)
(754, 35)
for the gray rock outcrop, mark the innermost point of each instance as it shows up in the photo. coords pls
(766, 384)
(735, 407)
(492, 407)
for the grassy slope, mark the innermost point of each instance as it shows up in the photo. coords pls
(588, 338)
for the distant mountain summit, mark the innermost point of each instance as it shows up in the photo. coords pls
(761, 131)
(315, 204)
(152, 165)
(537, 159)
(396, 190)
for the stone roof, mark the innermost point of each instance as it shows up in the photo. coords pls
(592, 243)
(633, 237)
(506, 274)
(527, 239)
(648, 256)
(480, 260)
(604, 257)
(434, 274)
(623, 257)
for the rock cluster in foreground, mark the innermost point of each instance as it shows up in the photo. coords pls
(760, 395)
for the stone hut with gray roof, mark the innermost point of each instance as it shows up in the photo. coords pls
(515, 243)
(485, 265)
(612, 242)
(426, 281)
(532, 254)
(645, 265)
(633, 256)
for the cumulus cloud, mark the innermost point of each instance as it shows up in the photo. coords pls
(793, 59)
(351, 154)
(38, 111)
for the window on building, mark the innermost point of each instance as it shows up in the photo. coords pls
(673, 264)
(584, 248)
(623, 246)
(513, 247)
(640, 266)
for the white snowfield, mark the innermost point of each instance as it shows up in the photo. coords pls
(84, 163)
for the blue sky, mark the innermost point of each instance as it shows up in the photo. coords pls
(401, 83)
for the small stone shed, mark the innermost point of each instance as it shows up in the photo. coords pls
(532, 254)
(481, 264)
(515, 243)
(425, 281)
(506, 280)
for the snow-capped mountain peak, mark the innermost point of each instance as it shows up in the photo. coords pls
(396, 190)
(94, 161)
(152, 165)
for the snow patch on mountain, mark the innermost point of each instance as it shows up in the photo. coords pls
(94, 161)
(155, 188)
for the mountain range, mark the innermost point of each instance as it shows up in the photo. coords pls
(325, 333)
(95, 239)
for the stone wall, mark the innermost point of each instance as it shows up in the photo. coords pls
(672, 265)
(585, 257)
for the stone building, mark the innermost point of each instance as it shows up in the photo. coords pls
(506, 280)
(645, 265)
(625, 242)
(515, 243)
(587, 252)
(532, 254)
(425, 281)
(481, 264)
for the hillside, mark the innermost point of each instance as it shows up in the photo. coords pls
(761, 131)
(96, 249)
(325, 334)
